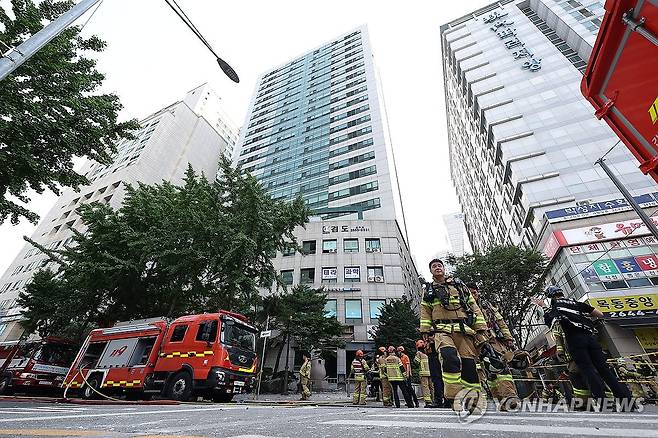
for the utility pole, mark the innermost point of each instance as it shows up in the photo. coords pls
(629, 198)
(262, 361)
(13, 59)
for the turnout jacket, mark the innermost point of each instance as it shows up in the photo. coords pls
(435, 316)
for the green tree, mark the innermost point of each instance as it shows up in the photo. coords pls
(398, 325)
(169, 250)
(299, 315)
(51, 110)
(507, 276)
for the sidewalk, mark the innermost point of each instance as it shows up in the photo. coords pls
(333, 398)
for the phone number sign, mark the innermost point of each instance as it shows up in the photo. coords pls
(625, 306)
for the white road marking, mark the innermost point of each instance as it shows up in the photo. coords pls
(429, 413)
(490, 427)
(521, 417)
(122, 414)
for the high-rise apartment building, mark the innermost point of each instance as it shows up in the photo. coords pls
(456, 234)
(194, 130)
(522, 138)
(316, 128)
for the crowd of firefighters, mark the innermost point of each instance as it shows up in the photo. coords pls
(467, 351)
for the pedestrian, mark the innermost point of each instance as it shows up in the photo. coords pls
(582, 344)
(435, 373)
(383, 378)
(305, 376)
(424, 373)
(359, 369)
(406, 372)
(450, 312)
(500, 380)
(395, 378)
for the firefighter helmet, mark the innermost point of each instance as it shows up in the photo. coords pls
(552, 291)
(359, 353)
(420, 344)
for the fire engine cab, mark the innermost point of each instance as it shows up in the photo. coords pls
(34, 365)
(212, 355)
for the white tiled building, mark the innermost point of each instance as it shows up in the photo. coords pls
(522, 138)
(194, 130)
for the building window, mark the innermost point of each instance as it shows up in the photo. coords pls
(329, 246)
(307, 275)
(288, 251)
(330, 309)
(375, 274)
(376, 309)
(373, 245)
(329, 275)
(286, 277)
(353, 311)
(351, 245)
(352, 274)
(308, 247)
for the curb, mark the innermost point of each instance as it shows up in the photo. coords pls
(79, 401)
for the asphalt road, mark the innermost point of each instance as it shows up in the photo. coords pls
(249, 421)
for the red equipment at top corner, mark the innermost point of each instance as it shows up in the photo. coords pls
(621, 80)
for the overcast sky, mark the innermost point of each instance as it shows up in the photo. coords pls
(152, 60)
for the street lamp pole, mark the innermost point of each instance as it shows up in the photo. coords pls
(629, 198)
(16, 56)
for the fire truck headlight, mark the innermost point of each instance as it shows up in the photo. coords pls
(220, 376)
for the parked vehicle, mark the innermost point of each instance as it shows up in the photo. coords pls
(211, 355)
(30, 366)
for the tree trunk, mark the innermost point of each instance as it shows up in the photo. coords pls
(278, 358)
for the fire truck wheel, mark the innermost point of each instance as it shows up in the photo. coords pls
(222, 398)
(180, 387)
(93, 382)
(5, 386)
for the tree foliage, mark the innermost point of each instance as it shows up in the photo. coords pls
(398, 325)
(50, 110)
(299, 315)
(169, 250)
(507, 276)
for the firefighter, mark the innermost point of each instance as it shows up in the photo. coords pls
(450, 312)
(551, 394)
(582, 344)
(395, 378)
(424, 373)
(383, 378)
(406, 371)
(359, 369)
(435, 372)
(632, 378)
(581, 392)
(305, 376)
(500, 381)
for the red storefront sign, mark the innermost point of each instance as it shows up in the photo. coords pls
(621, 77)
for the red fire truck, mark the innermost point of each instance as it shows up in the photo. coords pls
(34, 365)
(212, 354)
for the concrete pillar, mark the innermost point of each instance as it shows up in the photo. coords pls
(621, 341)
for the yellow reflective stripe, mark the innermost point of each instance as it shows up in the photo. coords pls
(504, 377)
(582, 392)
(480, 320)
(466, 384)
(451, 377)
(186, 354)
